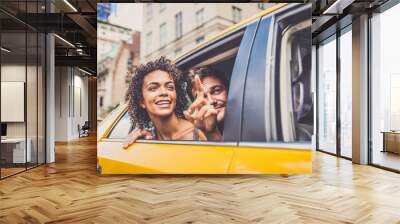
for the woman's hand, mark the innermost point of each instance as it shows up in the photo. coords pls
(135, 135)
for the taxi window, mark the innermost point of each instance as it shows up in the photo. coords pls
(214, 65)
(121, 128)
(295, 94)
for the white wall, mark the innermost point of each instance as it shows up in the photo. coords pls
(61, 103)
(71, 87)
(12, 73)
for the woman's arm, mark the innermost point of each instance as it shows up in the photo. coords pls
(135, 135)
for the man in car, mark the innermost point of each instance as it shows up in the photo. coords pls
(208, 89)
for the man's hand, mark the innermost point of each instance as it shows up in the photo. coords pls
(135, 135)
(202, 113)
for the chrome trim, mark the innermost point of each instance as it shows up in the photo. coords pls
(279, 145)
(208, 143)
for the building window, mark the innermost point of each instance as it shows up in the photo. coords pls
(149, 11)
(163, 34)
(178, 51)
(199, 39)
(178, 25)
(148, 41)
(262, 6)
(236, 14)
(101, 101)
(163, 6)
(199, 17)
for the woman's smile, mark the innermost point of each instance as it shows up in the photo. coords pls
(164, 103)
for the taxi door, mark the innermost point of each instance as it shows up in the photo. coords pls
(271, 138)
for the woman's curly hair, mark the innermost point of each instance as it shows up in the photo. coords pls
(134, 96)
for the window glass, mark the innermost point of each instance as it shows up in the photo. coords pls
(199, 17)
(148, 42)
(163, 6)
(327, 96)
(199, 39)
(163, 34)
(149, 11)
(346, 94)
(122, 128)
(261, 5)
(178, 51)
(178, 25)
(236, 14)
(385, 89)
(16, 153)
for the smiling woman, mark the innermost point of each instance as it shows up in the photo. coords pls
(157, 99)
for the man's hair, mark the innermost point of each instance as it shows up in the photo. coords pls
(134, 95)
(204, 72)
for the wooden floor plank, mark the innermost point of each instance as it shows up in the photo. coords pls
(69, 191)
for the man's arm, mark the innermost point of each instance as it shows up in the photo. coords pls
(202, 114)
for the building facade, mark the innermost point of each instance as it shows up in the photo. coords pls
(118, 52)
(110, 36)
(170, 29)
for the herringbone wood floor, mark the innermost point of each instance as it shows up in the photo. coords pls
(69, 191)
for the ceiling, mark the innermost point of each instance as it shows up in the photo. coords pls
(74, 22)
(328, 16)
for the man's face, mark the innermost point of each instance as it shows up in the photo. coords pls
(218, 94)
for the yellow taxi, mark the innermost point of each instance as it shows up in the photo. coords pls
(269, 120)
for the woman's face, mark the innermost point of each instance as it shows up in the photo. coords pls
(159, 94)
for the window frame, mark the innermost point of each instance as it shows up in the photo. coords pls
(199, 39)
(163, 30)
(281, 19)
(332, 33)
(236, 14)
(199, 17)
(178, 25)
(162, 7)
(149, 11)
(149, 36)
(255, 85)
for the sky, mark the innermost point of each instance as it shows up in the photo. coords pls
(128, 15)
